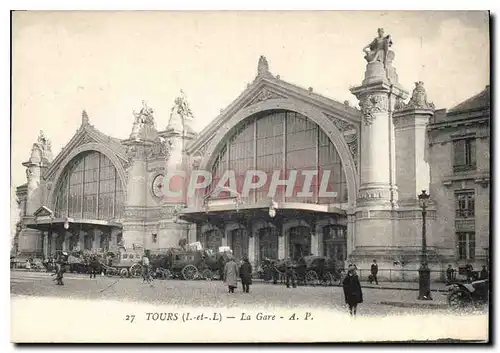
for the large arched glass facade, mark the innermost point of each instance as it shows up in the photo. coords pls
(90, 188)
(282, 141)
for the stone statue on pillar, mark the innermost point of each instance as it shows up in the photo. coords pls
(378, 49)
(144, 124)
(379, 58)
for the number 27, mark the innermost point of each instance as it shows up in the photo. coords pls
(130, 318)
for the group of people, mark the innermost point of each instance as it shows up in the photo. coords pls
(232, 272)
(470, 274)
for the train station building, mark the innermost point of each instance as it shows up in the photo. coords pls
(340, 181)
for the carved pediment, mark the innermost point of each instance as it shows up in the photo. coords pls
(264, 95)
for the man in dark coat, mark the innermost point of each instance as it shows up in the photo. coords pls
(246, 274)
(94, 264)
(221, 264)
(374, 272)
(290, 274)
(484, 273)
(59, 268)
(352, 290)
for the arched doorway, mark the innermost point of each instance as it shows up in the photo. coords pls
(87, 241)
(212, 240)
(104, 241)
(268, 243)
(299, 242)
(239, 243)
(59, 242)
(335, 243)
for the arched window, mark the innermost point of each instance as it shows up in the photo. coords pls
(282, 141)
(90, 188)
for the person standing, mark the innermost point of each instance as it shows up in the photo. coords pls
(145, 268)
(59, 272)
(246, 274)
(93, 266)
(231, 274)
(290, 274)
(470, 272)
(484, 273)
(352, 290)
(449, 273)
(374, 272)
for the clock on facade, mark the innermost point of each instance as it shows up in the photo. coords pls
(158, 185)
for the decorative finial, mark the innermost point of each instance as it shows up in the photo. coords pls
(418, 99)
(85, 118)
(263, 67)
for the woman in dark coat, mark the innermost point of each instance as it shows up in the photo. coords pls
(246, 275)
(352, 290)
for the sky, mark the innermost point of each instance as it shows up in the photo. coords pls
(108, 62)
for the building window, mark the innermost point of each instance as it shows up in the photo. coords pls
(466, 245)
(154, 238)
(464, 155)
(464, 201)
(90, 188)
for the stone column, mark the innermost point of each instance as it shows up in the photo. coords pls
(377, 197)
(53, 243)
(97, 239)
(66, 236)
(45, 237)
(81, 240)
(319, 239)
(225, 237)
(252, 247)
(283, 244)
(412, 166)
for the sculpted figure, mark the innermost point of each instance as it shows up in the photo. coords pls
(145, 116)
(378, 49)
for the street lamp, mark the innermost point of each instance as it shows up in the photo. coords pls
(272, 209)
(424, 280)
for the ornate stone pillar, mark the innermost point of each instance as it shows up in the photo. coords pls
(377, 197)
(283, 244)
(45, 238)
(81, 240)
(96, 239)
(140, 148)
(53, 243)
(252, 249)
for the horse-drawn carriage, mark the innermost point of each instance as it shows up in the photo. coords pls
(315, 270)
(189, 263)
(308, 270)
(192, 264)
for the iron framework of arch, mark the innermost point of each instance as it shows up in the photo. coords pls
(281, 140)
(89, 188)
